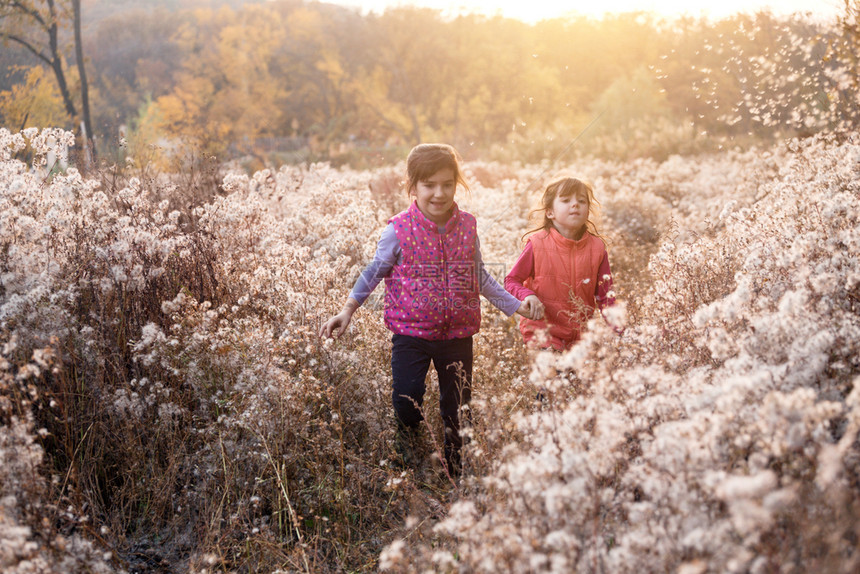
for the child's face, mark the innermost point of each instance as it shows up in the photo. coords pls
(435, 195)
(569, 214)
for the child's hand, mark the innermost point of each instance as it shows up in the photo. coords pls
(531, 308)
(335, 326)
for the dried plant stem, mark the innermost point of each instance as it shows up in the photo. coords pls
(72, 464)
(285, 493)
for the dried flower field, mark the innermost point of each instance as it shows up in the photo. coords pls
(166, 404)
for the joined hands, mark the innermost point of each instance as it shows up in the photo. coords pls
(531, 308)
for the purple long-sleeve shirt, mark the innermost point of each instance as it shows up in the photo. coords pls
(388, 254)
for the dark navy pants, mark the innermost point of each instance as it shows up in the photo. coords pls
(410, 361)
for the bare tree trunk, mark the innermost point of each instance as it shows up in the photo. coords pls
(88, 136)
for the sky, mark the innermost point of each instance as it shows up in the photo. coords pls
(534, 10)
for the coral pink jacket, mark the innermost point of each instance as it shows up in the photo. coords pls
(566, 277)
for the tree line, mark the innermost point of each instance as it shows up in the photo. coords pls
(288, 79)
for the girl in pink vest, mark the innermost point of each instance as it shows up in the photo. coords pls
(564, 265)
(430, 259)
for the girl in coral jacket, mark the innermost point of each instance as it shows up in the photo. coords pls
(430, 259)
(564, 265)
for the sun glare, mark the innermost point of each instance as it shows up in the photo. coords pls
(535, 10)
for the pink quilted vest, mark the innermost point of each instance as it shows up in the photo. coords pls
(565, 280)
(433, 292)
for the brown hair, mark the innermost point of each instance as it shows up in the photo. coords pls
(426, 159)
(564, 187)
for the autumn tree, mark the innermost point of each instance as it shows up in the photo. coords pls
(224, 92)
(138, 65)
(406, 76)
(35, 25)
(843, 57)
(317, 66)
(495, 74)
(34, 102)
(242, 78)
